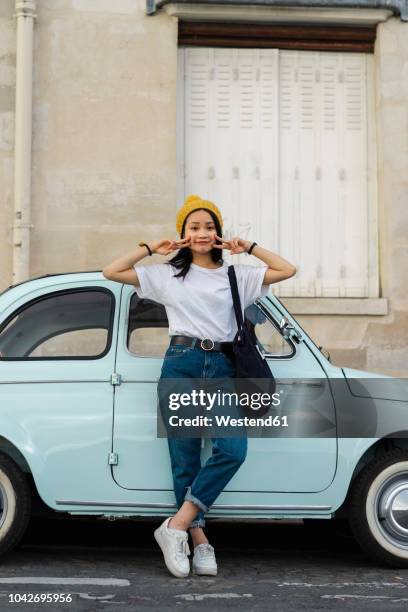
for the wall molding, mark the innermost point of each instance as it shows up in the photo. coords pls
(271, 14)
(310, 9)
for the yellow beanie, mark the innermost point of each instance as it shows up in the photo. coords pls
(193, 202)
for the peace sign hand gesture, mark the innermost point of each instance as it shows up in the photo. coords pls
(165, 246)
(235, 245)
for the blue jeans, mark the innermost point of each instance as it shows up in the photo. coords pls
(193, 482)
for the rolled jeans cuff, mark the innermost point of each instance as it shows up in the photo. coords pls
(190, 497)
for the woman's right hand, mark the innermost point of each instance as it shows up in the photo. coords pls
(166, 246)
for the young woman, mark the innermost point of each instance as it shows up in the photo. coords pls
(194, 288)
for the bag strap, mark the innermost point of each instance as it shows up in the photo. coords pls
(235, 296)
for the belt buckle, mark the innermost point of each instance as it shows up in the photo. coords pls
(205, 340)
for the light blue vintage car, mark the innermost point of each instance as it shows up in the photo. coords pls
(80, 356)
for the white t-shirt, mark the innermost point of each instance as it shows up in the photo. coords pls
(201, 304)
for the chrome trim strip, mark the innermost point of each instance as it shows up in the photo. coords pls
(68, 502)
(54, 381)
(288, 507)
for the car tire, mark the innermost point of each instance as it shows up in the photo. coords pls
(15, 504)
(378, 511)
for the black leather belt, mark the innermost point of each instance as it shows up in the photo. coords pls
(206, 343)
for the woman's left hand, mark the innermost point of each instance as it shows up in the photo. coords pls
(235, 245)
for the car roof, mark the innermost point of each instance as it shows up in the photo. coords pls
(28, 280)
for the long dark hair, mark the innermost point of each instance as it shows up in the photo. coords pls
(184, 256)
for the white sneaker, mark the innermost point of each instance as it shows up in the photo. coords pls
(174, 545)
(204, 562)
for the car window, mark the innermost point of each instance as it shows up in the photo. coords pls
(148, 330)
(65, 324)
(269, 338)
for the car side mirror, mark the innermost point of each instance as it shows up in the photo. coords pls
(288, 329)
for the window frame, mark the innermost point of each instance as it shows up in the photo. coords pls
(126, 334)
(58, 293)
(257, 303)
(273, 322)
(372, 297)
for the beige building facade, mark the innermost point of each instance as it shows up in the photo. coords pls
(103, 172)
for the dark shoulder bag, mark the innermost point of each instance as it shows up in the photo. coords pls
(249, 362)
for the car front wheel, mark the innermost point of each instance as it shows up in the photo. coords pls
(378, 511)
(15, 504)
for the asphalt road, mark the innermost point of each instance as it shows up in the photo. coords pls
(262, 566)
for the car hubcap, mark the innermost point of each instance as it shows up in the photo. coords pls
(3, 505)
(392, 509)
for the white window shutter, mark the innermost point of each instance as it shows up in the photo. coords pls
(323, 173)
(354, 153)
(298, 170)
(230, 155)
(223, 188)
(199, 123)
(280, 140)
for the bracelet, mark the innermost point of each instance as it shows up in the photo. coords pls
(147, 247)
(249, 251)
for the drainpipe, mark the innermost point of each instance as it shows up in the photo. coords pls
(25, 15)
